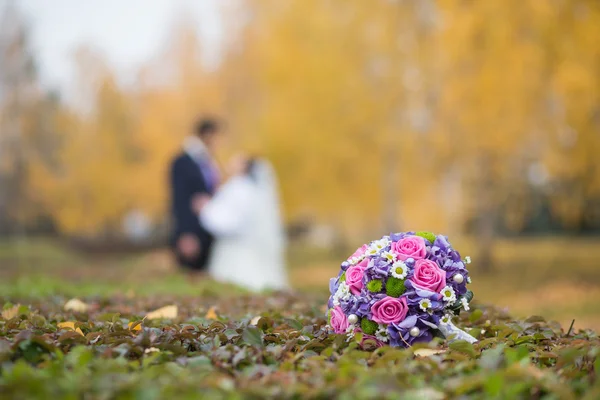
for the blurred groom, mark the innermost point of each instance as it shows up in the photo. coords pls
(193, 172)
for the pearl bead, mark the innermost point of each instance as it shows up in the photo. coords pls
(458, 278)
(352, 318)
(414, 331)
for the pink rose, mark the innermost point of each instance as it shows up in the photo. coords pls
(354, 276)
(338, 321)
(389, 310)
(369, 342)
(427, 275)
(410, 247)
(359, 252)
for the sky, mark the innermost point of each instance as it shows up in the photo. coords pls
(127, 32)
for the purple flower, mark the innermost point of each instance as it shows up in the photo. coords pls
(394, 237)
(333, 285)
(378, 269)
(359, 305)
(415, 294)
(441, 241)
(454, 256)
(452, 268)
(402, 334)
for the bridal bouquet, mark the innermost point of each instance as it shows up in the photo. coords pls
(401, 289)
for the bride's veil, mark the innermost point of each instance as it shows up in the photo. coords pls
(269, 212)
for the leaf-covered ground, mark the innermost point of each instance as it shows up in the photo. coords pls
(242, 346)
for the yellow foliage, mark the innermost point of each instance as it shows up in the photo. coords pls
(70, 325)
(166, 312)
(76, 305)
(376, 115)
(11, 312)
(135, 326)
(211, 313)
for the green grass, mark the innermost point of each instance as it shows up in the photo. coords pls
(558, 278)
(274, 346)
(226, 343)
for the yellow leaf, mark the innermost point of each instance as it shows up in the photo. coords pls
(167, 312)
(11, 312)
(76, 305)
(69, 325)
(428, 352)
(211, 313)
(135, 326)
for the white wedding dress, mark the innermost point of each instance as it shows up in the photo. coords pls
(245, 219)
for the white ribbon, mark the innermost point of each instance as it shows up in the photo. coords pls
(452, 333)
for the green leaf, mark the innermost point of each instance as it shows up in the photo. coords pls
(294, 324)
(524, 339)
(430, 236)
(492, 358)
(493, 385)
(464, 347)
(252, 336)
(475, 315)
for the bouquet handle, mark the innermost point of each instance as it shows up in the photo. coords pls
(453, 333)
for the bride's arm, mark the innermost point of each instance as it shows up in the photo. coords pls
(227, 212)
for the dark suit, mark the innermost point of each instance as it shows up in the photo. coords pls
(188, 178)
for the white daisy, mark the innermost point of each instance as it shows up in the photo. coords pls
(399, 270)
(350, 333)
(391, 257)
(425, 304)
(468, 279)
(378, 245)
(446, 319)
(448, 294)
(382, 334)
(372, 251)
(354, 260)
(467, 260)
(465, 303)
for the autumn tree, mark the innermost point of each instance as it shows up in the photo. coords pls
(19, 94)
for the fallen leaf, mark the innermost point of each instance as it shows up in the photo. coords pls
(151, 350)
(167, 312)
(426, 393)
(211, 313)
(11, 312)
(255, 320)
(76, 305)
(69, 325)
(135, 326)
(428, 352)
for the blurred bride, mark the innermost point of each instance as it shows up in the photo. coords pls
(244, 217)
